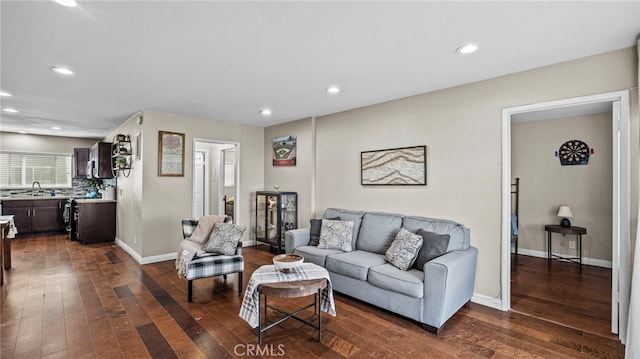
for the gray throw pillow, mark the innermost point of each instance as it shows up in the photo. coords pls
(336, 234)
(404, 249)
(314, 230)
(433, 246)
(224, 239)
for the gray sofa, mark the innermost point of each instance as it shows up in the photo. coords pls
(430, 294)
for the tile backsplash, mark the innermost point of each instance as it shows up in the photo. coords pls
(80, 188)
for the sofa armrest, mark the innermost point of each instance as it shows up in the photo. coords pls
(448, 284)
(239, 248)
(295, 238)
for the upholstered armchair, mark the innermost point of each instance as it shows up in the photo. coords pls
(205, 265)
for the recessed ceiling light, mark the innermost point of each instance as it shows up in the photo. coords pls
(466, 49)
(5, 94)
(22, 132)
(265, 112)
(56, 128)
(67, 3)
(10, 110)
(332, 90)
(63, 70)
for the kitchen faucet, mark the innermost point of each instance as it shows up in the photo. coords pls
(33, 186)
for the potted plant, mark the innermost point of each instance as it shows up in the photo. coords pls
(94, 185)
(121, 162)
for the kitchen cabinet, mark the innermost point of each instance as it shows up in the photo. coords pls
(33, 216)
(276, 213)
(100, 154)
(80, 159)
(95, 221)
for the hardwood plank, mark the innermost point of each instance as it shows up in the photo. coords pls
(64, 299)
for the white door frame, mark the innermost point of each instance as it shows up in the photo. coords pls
(621, 276)
(238, 202)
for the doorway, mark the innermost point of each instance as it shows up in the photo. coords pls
(618, 102)
(215, 178)
(227, 183)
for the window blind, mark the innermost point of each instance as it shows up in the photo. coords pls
(18, 169)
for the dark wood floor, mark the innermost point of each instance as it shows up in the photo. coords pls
(560, 292)
(65, 300)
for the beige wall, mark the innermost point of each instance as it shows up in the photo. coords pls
(45, 144)
(461, 127)
(129, 191)
(545, 184)
(158, 203)
(295, 179)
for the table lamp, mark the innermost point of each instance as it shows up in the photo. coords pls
(565, 213)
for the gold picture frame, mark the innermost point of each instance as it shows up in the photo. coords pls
(170, 154)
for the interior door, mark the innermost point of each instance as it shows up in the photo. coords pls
(227, 183)
(200, 184)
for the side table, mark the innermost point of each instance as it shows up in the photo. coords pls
(554, 228)
(304, 280)
(296, 289)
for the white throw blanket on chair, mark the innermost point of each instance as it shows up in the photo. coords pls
(186, 251)
(193, 245)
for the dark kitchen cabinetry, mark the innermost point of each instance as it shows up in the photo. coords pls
(94, 221)
(100, 155)
(80, 159)
(32, 216)
(276, 213)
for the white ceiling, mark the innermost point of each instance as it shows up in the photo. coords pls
(227, 60)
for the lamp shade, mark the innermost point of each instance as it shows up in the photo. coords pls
(565, 211)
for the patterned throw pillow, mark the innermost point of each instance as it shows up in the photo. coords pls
(314, 231)
(336, 234)
(404, 249)
(224, 239)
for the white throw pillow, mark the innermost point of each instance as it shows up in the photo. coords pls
(336, 234)
(404, 249)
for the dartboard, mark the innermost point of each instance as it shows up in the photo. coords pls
(574, 152)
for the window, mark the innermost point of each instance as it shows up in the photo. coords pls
(18, 169)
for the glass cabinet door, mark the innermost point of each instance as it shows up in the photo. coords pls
(276, 213)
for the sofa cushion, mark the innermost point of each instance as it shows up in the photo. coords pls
(386, 276)
(313, 254)
(314, 230)
(404, 249)
(346, 215)
(459, 240)
(378, 231)
(354, 264)
(336, 235)
(433, 246)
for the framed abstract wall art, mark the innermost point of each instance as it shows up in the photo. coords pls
(405, 166)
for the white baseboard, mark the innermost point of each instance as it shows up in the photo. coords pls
(588, 261)
(145, 260)
(487, 301)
